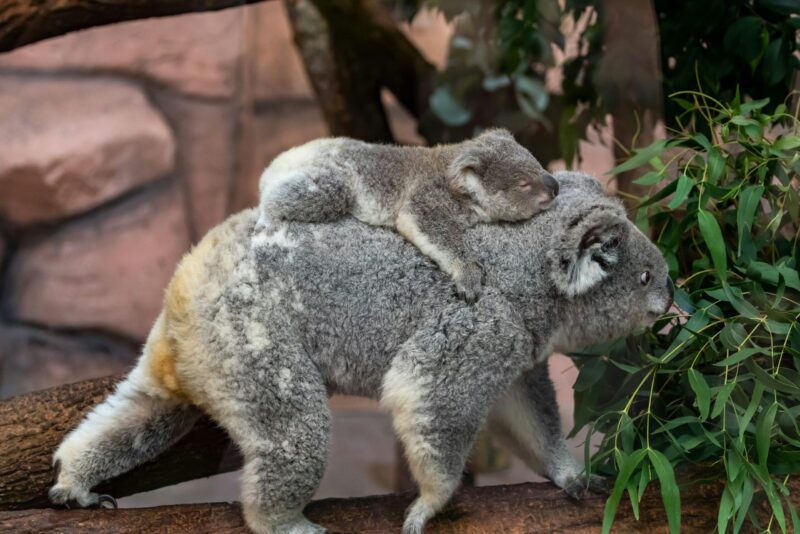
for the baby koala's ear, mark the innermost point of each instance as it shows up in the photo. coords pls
(469, 162)
(587, 250)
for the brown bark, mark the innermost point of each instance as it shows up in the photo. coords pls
(629, 80)
(27, 21)
(33, 425)
(520, 509)
(351, 49)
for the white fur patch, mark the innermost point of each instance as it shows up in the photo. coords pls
(408, 227)
(276, 238)
(584, 274)
(366, 208)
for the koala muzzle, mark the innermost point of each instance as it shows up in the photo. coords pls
(551, 184)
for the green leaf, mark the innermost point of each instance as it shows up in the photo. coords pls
(735, 297)
(749, 200)
(725, 510)
(589, 374)
(784, 7)
(763, 432)
(641, 156)
(670, 494)
(448, 109)
(744, 506)
(716, 165)
(649, 178)
(787, 142)
(755, 400)
(739, 356)
(626, 470)
(703, 392)
(722, 398)
(685, 185)
(712, 235)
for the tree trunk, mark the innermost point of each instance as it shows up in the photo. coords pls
(27, 21)
(349, 97)
(33, 425)
(351, 49)
(629, 80)
(519, 509)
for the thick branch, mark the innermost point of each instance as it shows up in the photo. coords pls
(351, 49)
(511, 509)
(33, 425)
(349, 97)
(27, 21)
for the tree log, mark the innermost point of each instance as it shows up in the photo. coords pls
(520, 509)
(27, 21)
(33, 425)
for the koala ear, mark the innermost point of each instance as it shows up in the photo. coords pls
(587, 251)
(467, 163)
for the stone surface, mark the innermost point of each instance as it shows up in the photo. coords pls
(72, 144)
(32, 359)
(105, 272)
(206, 134)
(276, 68)
(196, 53)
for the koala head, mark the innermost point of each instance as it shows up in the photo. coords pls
(501, 177)
(614, 279)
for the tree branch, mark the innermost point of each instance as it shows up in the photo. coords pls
(351, 49)
(33, 425)
(512, 509)
(27, 21)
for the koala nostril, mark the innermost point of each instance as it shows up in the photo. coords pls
(551, 184)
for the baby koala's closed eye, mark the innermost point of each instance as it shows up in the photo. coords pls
(429, 195)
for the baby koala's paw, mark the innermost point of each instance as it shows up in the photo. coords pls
(469, 281)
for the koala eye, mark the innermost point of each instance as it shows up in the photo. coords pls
(644, 278)
(525, 185)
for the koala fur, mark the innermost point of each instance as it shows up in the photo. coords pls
(257, 332)
(429, 195)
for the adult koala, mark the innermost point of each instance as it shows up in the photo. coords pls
(258, 331)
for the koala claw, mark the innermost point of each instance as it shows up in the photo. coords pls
(107, 501)
(469, 282)
(577, 487)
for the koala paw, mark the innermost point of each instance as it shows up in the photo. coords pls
(577, 487)
(469, 282)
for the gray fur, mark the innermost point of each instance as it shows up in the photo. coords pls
(283, 321)
(430, 195)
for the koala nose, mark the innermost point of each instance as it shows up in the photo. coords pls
(551, 184)
(671, 292)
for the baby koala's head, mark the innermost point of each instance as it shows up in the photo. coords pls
(502, 179)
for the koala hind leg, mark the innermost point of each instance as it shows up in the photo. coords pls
(133, 425)
(307, 195)
(281, 423)
(526, 418)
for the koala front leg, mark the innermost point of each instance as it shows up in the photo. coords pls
(431, 221)
(526, 418)
(439, 390)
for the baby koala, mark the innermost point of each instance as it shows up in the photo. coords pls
(429, 195)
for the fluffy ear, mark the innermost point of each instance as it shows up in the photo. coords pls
(587, 250)
(469, 162)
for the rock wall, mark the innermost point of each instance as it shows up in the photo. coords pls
(120, 146)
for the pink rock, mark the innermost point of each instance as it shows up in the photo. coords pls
(195, 53)
(206, 132)
(69, 145)
(106, 271)
(276, 67)
(33, 359)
